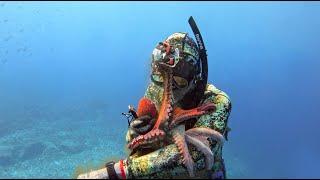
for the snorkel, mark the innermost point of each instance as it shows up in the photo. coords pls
(193, 98)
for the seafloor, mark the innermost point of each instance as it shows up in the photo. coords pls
(61, 145)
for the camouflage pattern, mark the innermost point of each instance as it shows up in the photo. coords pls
(189, 49)
(166, 162)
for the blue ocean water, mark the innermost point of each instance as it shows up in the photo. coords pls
(68, 70)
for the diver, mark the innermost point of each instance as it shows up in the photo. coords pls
(189, 90)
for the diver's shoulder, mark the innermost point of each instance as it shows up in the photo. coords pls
(214, 92)
(210, 88)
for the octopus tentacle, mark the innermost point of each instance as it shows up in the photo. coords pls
(203, 139)
(151, 137)
(184, 151)
(165, 111)
(180, 115)
(203, 148)
(206, 132)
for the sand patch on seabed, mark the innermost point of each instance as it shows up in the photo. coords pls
(55, 150)
(65, 148)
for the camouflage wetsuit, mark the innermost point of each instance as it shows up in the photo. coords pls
(166, 162)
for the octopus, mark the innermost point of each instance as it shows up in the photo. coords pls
(167, 126)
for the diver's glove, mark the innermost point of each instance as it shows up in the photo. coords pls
(140, 126)
(142, 120)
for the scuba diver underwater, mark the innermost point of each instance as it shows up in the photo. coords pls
(181, 123)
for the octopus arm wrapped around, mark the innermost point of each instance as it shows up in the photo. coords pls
(166, 162)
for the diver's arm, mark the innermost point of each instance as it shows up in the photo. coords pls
(166, 162)
(217, 120)
(117, 170)
(152, 165)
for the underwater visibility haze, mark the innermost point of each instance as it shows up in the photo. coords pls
(69, 69)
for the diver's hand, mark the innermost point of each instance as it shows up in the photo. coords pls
(139, 126)
(142, 125)
(97, 174)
